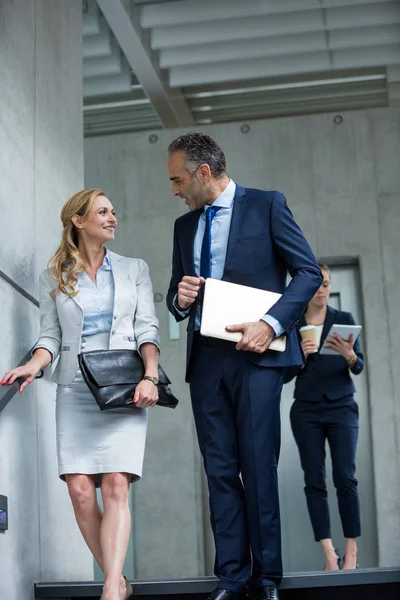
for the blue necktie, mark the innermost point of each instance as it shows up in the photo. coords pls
(205, 256)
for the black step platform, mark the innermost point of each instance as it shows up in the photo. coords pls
(363, 584)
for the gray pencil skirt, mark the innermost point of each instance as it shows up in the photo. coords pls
(93, 442)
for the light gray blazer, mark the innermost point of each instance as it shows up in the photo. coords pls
(134, 316)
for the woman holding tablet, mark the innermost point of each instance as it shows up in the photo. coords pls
(325, 409)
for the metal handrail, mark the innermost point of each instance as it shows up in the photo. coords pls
(19, 289)
(8, 391)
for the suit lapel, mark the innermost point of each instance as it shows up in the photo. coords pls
(119, 274)
(239, 206)
(76, 297)
(329, 321)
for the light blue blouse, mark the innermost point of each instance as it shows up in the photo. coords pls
(97, 300)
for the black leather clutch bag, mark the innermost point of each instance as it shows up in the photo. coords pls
(112, 377)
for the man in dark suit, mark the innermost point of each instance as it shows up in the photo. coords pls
(249, 237)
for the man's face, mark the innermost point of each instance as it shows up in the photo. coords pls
(188, 186)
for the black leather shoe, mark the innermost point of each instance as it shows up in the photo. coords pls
(267, 592)
(226, 595)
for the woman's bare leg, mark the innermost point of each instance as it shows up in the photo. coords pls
(82, 490)
(89, 516)
(114, 531)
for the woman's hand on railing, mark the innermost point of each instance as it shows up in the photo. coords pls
(28, 372)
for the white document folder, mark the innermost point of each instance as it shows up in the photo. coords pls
(228, 303)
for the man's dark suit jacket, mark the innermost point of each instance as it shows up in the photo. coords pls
(264, 243)
(326, 374)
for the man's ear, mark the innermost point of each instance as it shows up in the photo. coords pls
(205, 172)
(77, 221)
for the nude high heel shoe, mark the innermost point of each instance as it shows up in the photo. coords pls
(129, 589)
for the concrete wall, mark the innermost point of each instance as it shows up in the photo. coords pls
(41, 165)
(343, 184)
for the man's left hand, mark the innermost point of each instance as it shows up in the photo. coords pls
(257, 336)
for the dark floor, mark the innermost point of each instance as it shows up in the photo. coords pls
(363, 584)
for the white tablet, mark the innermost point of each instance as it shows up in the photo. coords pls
(343, 330)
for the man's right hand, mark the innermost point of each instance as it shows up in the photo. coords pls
(188, 290)
(308, 347)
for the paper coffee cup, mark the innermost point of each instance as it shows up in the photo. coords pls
(309, 332)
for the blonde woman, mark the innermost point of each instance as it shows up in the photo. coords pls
(91, 299)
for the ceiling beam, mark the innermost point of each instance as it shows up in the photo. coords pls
(169, 104)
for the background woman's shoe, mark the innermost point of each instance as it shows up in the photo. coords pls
(339, 560)
(357, 566)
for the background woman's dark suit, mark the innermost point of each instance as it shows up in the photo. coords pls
(325, 409)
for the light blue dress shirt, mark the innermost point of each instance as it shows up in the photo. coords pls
(220, 228)
(97, 300)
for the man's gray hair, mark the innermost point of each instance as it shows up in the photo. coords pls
(199, 149)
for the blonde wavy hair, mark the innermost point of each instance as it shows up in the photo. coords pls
(68, 260)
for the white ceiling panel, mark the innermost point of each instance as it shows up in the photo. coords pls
(364, 37)
(362, 16)
(104, 65)
(284, 65)
(289, 44)
(237, 29)
(193, 11)
(249, 69)
(98, 44)
(107, 85)
(90, 20)
(364, 57)
(242, 49)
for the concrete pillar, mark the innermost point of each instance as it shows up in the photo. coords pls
(41, 162)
